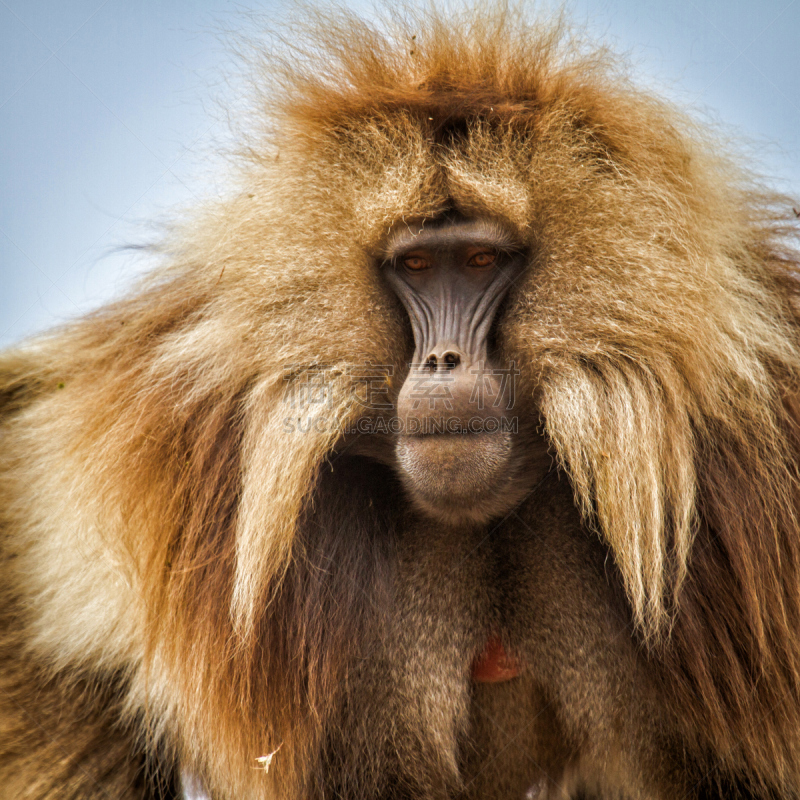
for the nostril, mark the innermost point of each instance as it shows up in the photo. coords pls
(431, 363)
(452, 360)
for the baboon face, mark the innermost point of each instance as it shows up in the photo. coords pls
(456, 451)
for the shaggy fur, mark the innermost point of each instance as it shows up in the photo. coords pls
(189, 583)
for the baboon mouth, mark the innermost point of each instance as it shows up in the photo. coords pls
(467, 459)
(450, 475)
(441, 436)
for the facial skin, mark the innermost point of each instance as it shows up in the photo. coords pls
(456, 453)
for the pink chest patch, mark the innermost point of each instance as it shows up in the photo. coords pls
(493, 664)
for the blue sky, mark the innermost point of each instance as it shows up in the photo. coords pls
(108, 113)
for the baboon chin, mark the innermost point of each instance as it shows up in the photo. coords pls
(459, 478)
(453, 454)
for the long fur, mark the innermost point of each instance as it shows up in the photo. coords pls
(152, 496)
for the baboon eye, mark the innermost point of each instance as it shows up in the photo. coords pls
(415, 263)
(482, 260)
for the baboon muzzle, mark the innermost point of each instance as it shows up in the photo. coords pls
(452, 385)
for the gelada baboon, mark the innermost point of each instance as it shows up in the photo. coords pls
(454, 455)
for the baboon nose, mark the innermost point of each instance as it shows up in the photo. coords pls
(450, 359)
